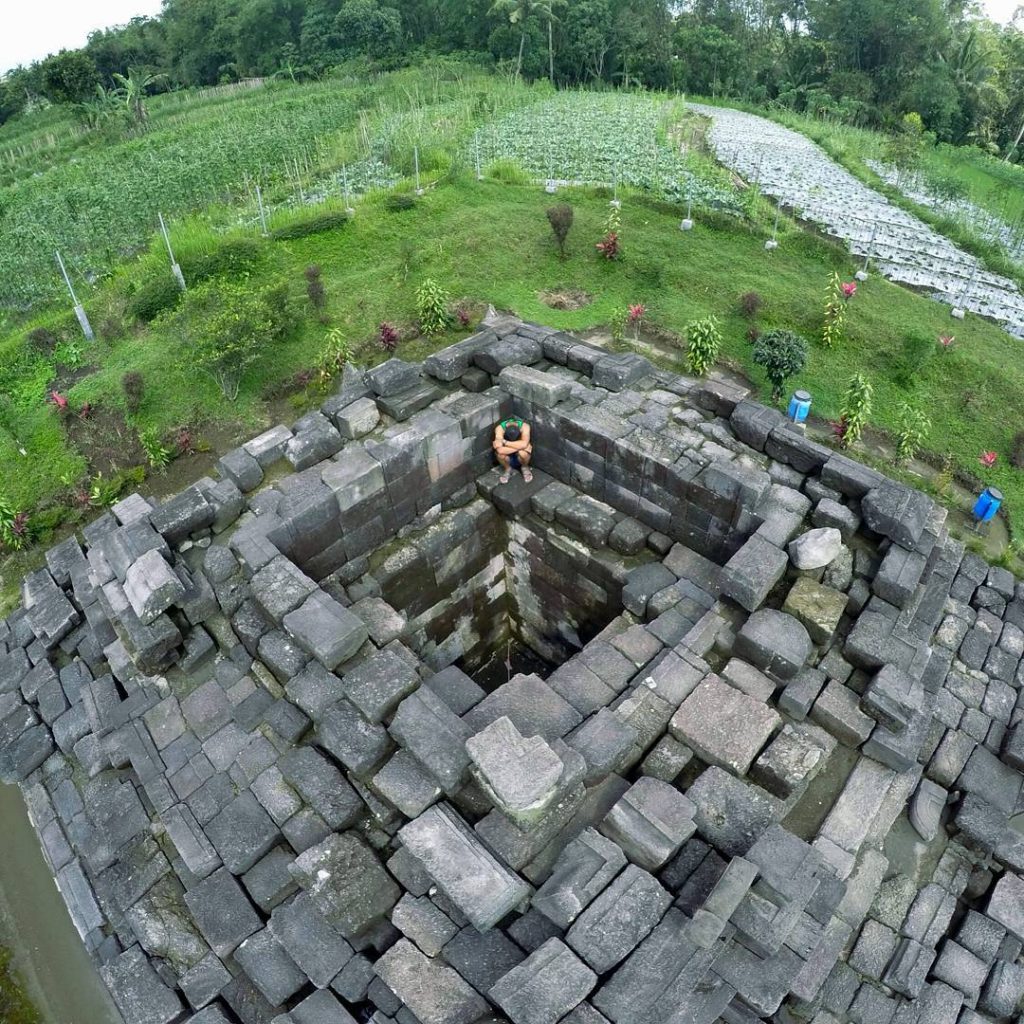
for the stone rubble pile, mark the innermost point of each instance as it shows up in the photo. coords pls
(800, 176)
(777, 769)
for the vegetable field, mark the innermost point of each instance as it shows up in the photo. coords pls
(607, 139)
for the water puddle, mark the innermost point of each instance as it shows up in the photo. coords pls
(34, 923)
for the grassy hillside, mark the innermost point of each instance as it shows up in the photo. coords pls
(482, 241)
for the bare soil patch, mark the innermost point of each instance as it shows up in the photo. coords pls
(566, 298)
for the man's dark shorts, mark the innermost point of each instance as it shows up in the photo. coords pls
(513, 461)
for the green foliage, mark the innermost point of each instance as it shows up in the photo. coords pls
(781, 354)
(507, 171)
(911, 433)
(856, 409)
(153, 296)
(432, 307)
(157, 454)
(399, 202)
(104, 491)
(911, 361)
(69, 76)
(560, 218)
(223, 327)
(703, 342)
(335, 353)
(133, 386)
(906, 144)
(12, 526)
(312, 222)
(835, 313)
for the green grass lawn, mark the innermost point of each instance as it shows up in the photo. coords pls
(483, 242)
(490, 242)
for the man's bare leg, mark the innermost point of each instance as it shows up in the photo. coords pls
(524, 459)
(506, 465)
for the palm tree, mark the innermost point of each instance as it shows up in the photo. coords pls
(518, 13)
(132, 87)
(551, 47)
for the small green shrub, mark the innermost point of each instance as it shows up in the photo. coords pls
(134, 387)
(1017, 450)
(313, 224)
(913, 429)
(13, 526)
(560, 218)
(432, 303)
(152, 297)
(157, 454)
(42, 340)
(398, 202)
(781, 354)
(856, 410)
(222, 328)
(507, 171)
(703, 342)
(911, 362)
(230, 257)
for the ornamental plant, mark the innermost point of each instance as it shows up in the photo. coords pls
(781, 354)
(703, 341)
(388, 337)
(856, 409)
(913, 429)
(635, 314)
(835, 313)
(988, 459)
(610, 247)
(336, 352)
(157, 454)
(13, 525)
(432, 307)
(946, 341)
(560, 218)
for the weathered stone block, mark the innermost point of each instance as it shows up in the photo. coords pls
(544, 987)
(775, 642)
(346, 883)
(619, 919)
(724, 726)
(469, 875)
(650, 822)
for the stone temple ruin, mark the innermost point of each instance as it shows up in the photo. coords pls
(768, 762)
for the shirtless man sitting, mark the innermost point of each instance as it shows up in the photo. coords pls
(513, 448)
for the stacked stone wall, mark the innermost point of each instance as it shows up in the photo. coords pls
(269, 795)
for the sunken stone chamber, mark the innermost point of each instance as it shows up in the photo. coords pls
(772, 765)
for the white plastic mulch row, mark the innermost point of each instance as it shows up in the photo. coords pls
(799, 175)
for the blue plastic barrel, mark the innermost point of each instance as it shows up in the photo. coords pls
(799, 406)
(987, 505)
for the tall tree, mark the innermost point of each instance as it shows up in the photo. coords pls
(518, 13)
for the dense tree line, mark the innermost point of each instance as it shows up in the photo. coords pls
(864, 61)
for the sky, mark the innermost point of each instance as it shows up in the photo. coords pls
(35, 28)
(40, 27)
